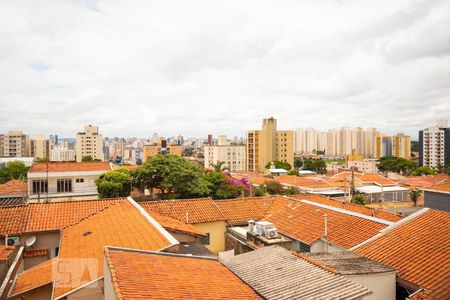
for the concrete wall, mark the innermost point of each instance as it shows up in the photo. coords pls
(93, 291)
(382, 285)
(323, 246)
(107, 282)
(216, 232)
(439, 201)
(232, 242)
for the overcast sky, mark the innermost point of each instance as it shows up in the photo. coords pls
(199, 67)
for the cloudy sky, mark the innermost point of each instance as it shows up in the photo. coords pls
(197, 67)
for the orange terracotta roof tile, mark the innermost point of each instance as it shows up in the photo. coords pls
(137, 275)
(49, 216)
(70, 167)
(240, 210)
(174, 224)
(80, 256)
(5, 252)
(305, 222)
(35, 277)
(189, 211)
(419, 249)
(304, 182)
(378, 213)
(365, 178)
(35, 253)
(13, 187)
(443, 187)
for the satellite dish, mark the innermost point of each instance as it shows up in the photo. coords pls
(30, 241)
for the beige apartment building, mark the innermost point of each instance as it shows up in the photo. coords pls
(161, 147)
(15, 144)
(232, 155)
(40, 147)
(89, 143)
(398, 145)
(269, 144)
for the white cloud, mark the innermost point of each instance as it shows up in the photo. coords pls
(194, 67)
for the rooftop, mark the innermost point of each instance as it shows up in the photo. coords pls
(348, 263)
(440, 188)
(276, 273)
(70, 167)
(13, 188)
(80, 259)
(150, 275)
(5, 252)
(418, 247)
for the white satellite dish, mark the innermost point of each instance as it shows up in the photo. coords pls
(30, 241)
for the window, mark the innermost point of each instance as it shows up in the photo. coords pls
(79, 180)
(204, 240)
(40, 186)
(64, 185)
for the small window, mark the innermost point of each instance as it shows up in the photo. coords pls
(204, 240)
(79, 180)
(40, 186)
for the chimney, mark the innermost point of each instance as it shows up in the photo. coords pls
(251, 226)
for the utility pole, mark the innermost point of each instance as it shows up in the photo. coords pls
(352, 188)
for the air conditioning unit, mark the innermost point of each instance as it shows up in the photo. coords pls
(13, 241)
(272, 233)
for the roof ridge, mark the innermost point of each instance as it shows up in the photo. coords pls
(348, 212)
(91, 215)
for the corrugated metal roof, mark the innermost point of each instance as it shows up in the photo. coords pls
(276, 273)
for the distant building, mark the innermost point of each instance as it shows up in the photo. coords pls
(365, 165)
(434, 145)
(15, 144)
(89, 143)
(232, 156)
(437, 196)
(61, 153)
(269, 144)
(40, 147)
(398, 145)
(210, 139)
(162, 147)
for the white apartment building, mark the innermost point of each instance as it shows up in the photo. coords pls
(89, 143)
(59, 153)
(233, 156)
(434, 145)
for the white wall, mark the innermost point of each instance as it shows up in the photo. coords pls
(381, 284)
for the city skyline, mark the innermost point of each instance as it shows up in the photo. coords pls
(138, 69)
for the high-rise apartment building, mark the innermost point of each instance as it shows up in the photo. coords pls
(161, 147)
(40, 147)
(434, 145)
(398, 145)
(233, 156)
(89, 143)
(269, 144)
(62, 153)
(15, 144)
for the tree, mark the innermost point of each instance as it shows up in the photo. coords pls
(317, 165)
(274, 188)
(279, 165)
(87, 158)
(414, 195)
(16, 169)
(294, 173)
(114, 183)
(41, 160)
(423, 171)
(259, 192)
(219, 167)
(139, 162)
(172, 174)
(298, 162)
(395, 164)
(188, 151)
(292, 190)
(359, 199)
(4, 176)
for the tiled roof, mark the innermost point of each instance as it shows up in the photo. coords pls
(49, 216)
(443, 187)
(35, 277)
(13, 187)
(240, 210)
(365, 178)
(304, 182)
(348, 263)
(418, 247)
(80, 256)
(5, 252)
(305, 222)
(35, 252)
(378, 213)
(70, 167)
(138, 275)
(276, 273)
(174, 224)
(190, 211)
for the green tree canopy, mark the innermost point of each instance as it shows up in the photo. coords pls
(317, 165)
(279, 165)
(219, 167)
(395, 164)
(274, 188)
(414, 196)
(87, 158)
(172, 174)
(359, 199)
(220, 187)
(423, 171)
(114, 183)
(13, 170)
